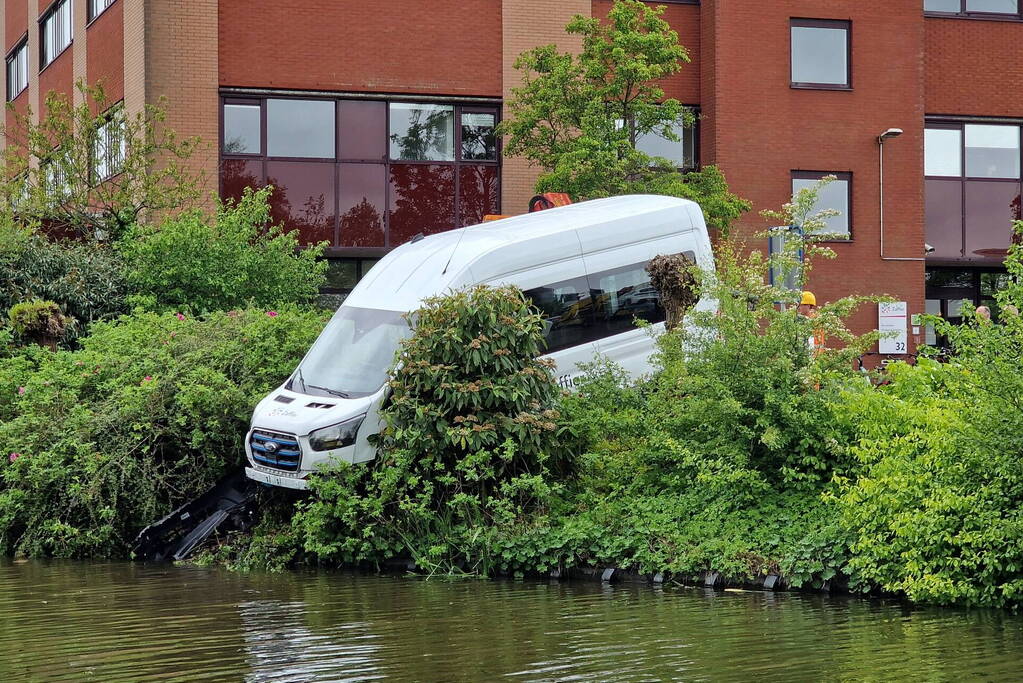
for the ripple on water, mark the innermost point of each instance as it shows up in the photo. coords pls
(122, 622)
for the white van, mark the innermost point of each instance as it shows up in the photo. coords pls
(583, 265)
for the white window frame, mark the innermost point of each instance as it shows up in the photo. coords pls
(109, 147)
(17, 71)
(98, 7)
(56, 31)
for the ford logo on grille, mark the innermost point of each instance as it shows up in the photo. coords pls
(270, 446)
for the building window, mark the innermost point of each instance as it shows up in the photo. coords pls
(17, 71)
(57, 176)
(300, 128)
(972, 177)
(109, 147)
(681, 152)
(97, 7)
(243, 126)
(363, 175)
(820, 54)
(836, 196)
(991, 8)
(56, 31)
(422, 132)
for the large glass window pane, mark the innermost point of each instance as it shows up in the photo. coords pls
(479, 141)
(992, 151)
(237, 174)
(942, 5)
(241, 129)
(943, 149)
(820, 56)
(943, 218)
(362, 203)
(422, 132)
(477, 194)
(300, 128)
(990, 209)
(422, 200)
(303, 198)
(567, 311)
(681, 152)
(993, 6)
(835, 196)
(621, 296)
(363, 130)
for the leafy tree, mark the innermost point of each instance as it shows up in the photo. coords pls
(579, 117)
(92, 169)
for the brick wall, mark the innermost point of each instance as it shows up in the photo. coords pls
(105, 59)
(527, 24)
(450, 47)
(973, 67)
(181, 59)
(761, 130)
(16, 13)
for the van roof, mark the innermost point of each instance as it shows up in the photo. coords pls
(436, 263)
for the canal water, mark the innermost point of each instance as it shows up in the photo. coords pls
(123, 622)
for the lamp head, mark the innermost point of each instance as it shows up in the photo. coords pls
(890, 133)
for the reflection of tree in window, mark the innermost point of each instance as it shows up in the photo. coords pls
(362, 225)
(237, 174)
(479, 142)
(311, 213)
(422, 200)
(427, 136)
(478, 196)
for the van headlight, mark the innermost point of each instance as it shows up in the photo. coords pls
(336, 436)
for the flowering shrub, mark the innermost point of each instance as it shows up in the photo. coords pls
(150, 411)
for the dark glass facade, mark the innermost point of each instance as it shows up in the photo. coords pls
(363, 175)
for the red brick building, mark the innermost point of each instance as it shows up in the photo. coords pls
(375, 120)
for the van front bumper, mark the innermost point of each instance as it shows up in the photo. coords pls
(271, 479)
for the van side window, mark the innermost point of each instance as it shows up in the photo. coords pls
(567, 313)
(622, 295)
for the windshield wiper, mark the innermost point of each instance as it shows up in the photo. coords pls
(332, 392)
(300, 378)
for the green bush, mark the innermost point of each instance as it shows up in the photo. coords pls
(936, 509)
(471, 441)
(38, 320)
(195, 264)
(151, 410)
(86, 279)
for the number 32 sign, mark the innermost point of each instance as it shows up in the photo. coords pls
(891, 323)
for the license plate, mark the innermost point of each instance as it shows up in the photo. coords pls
(275, 479)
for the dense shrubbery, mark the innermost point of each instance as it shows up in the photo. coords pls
(471, 442)
(104, 440)
(85, 279)
(190, 262)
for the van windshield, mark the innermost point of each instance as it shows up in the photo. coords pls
(352, 355)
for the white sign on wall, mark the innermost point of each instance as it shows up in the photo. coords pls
(891, 323)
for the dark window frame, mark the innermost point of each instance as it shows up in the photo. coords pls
(338, 159)
(90, 17)
(693, 109)
(959, 123)
(43, 18)
(12, 54)
(847, 176)
(964, 13)
(844, 24)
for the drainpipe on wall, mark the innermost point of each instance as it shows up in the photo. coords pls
(890, 133)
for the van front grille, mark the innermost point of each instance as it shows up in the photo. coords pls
(275, 449)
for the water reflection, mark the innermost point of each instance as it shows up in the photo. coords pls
(122, 622)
